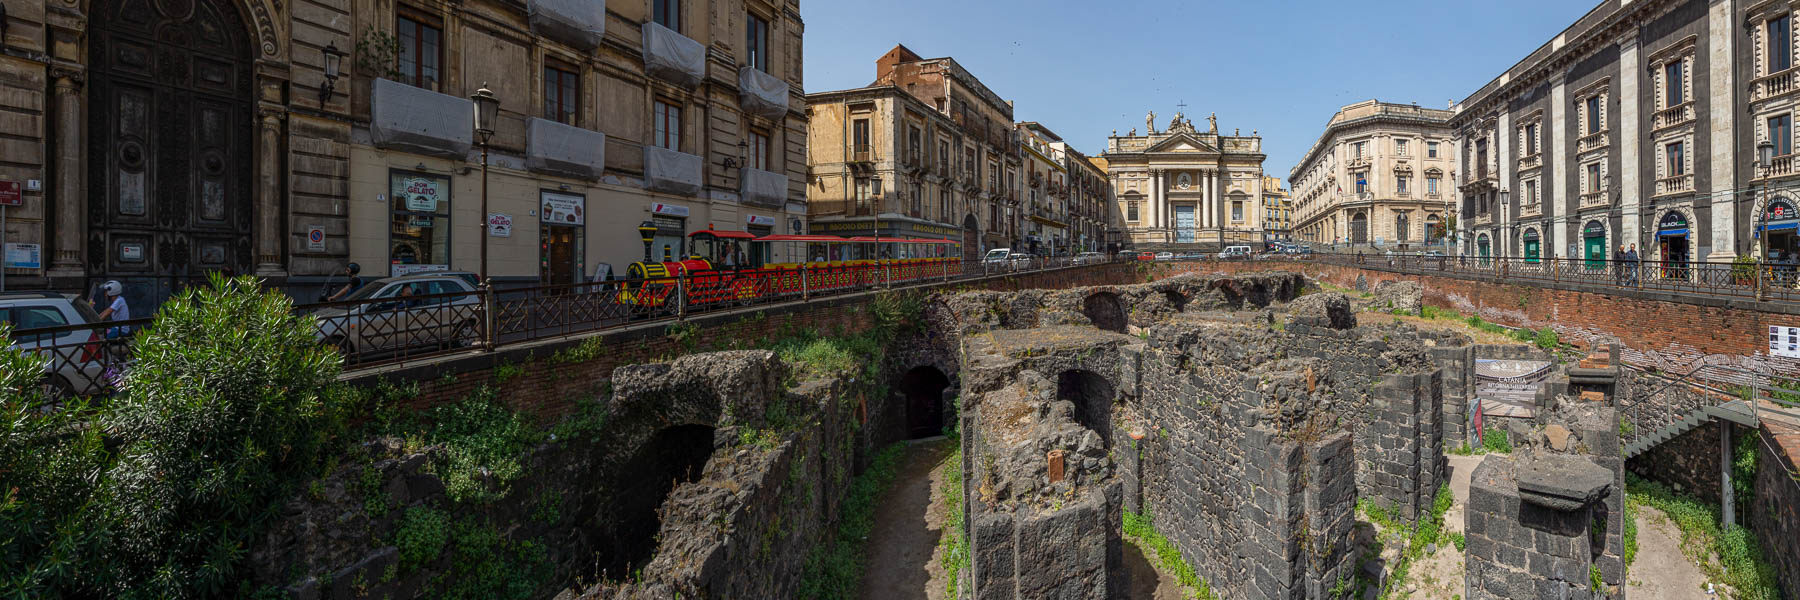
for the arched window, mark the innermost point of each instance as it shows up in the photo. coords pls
(1533, 246)
(1402, 227)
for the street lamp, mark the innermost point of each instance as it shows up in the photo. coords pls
(334, 58)
(487, 109)
(1765, 160)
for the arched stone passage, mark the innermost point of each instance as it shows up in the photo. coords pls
(673, 456)
(1105, 311)
(1092, 396)
(924, 390)
(1177, 300)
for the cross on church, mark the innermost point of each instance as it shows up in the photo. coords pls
(1181, 107)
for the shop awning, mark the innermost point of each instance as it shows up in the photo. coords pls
(1672, 232)
(1779, 226)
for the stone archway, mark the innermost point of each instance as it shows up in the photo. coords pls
(172, 142)
(673, 456)
(1093, 398)
(1105, 311)
(924, 388)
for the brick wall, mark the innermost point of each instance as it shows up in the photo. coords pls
(1662, 333)
(1775, 513)
(537, 383)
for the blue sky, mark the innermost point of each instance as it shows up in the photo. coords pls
(1278, 67)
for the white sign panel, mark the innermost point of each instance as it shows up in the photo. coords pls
(1784, 341)
(564, 209)
(669, 209)
(500, 225)
(403, 270)
(315, 238)
(421, 193)
(756, 220)
(24, 256)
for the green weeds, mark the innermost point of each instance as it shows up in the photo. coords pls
(1142, 530)
(834, 568)
(955, 543)
(1730, 556)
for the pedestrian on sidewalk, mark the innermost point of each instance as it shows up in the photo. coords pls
(1632, 262)
(1619, 263)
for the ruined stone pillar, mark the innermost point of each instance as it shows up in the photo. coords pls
(67, 259)
(1298, 514)
(268, 236)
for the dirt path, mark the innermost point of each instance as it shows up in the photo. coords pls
(908, 523)
(1147, 581)
(1661, 570)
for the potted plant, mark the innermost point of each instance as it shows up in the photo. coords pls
(1743, 269)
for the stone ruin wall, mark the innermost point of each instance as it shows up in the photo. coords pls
(1233, 434)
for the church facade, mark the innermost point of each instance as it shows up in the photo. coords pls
(1186, 189)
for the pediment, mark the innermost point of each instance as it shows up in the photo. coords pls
(1183, 143)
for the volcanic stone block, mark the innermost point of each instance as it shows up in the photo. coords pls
(1330, 310)
(1562, 482)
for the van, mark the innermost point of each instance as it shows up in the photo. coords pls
(1234, 252)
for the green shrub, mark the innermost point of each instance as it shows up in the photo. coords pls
(1731, 556)
(421, 536)
(1546, 338)
(483, 442)
(224, 410)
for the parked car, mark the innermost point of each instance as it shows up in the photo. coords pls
(1165, 256)
(398, 314)
(1190, 256)
(1235, 252)
(1146, 256)
(1090, 258)
(1022, 260)
(74, 361)
(998, 258)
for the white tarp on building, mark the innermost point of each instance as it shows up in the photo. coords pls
(671, 172)
(579, 23)
(763, 95)
(673, 57)
(411, 119)
(553, 147)
(763, 187)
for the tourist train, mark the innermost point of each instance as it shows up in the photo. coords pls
(723, 267)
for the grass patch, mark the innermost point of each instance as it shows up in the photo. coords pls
(1142, 530)
(1421, 534)
(955, 542)
(1493, 441)
(834, 568)
(1739, 562)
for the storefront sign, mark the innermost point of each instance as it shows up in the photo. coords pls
(500, 225)
(1784, 341)
(668, 209)
(563, 209)
(421, 193)
(404, 270)
(9, 194)
(315, 238)
(24, 256)
(756, 220)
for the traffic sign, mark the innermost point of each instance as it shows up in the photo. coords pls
(10, 195)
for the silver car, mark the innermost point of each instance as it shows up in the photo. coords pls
(75, 359)
(397, 315)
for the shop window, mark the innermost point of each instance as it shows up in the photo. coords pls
(419, 236)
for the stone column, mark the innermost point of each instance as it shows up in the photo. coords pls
(1556, 203)
(268, 235)
(1630, 187)
(68, 258)
(1720, 120)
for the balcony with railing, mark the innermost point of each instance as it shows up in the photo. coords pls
(1486, 218)
(1680, 114)
(1675, 185)
(1531, 210)
(1772, 85)
(1595, 198)
(862, 153)
(1593, 141)
(1781, 166)
(1527, 163)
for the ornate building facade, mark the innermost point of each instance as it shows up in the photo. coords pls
(926, 150)
(1278, 211)
(158, 140)
(1639, 124)
(1379, 176)
(1184, 188)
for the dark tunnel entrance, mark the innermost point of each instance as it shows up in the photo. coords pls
(1105, 311)
(1092, 396)
(924, 389)
(673, 456)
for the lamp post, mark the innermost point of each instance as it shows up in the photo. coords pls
(1765, 159)
(487, 108)
(334, 58)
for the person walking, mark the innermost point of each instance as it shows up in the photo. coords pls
(1632, 261)
(1619, 263)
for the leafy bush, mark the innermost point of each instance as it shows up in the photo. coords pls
(1730, 556)
(483, 442)
(1743, 267)
(225, 407)
(421, 537)
(1546, 338)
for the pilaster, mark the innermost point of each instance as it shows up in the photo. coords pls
(1556, 207)
(268, 238)
(1630, 157)
(68, 257)
(1720, 125)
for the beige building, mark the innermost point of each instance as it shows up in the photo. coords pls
(1278, 208)
(1047, 224)
(1090, 203)
(927, 147)
(163, 139)
(1185, 188)
(1380, 176)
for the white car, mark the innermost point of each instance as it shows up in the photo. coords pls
(1090, 258)
(400, 314)
(1235, 252)
(75, 358)
(1165, 256)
